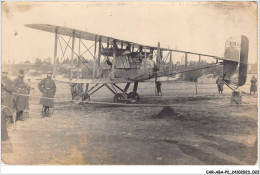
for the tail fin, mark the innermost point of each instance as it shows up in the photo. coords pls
(236, 54)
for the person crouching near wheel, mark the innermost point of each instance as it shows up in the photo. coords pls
(48, 87)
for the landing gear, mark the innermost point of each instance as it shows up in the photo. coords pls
(85, 97)
(120, 98)
(133, 97)
(76, 98)
(77, 93)
(121, 95)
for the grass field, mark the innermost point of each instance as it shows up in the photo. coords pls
(202, 129)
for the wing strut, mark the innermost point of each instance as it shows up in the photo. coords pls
(79, 54)
(55, 51)
(145, 57)
(186, 59)
(72, 55)
(114, 59)
(99, 55)
(94, 62)
(158, 58)
(170, 63)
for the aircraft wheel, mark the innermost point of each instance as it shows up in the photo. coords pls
(119, 98)
(133, 97)
(76, 98)
(85, 97)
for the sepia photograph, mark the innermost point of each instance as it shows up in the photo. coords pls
(129, 83)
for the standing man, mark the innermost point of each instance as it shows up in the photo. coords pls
(7, 109)
(48, 87)
(158, 87)
(21, 99)
(7, 90)
(253, 87)
(220, 84)
(6, 145)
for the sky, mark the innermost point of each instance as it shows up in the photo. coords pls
(200, 27)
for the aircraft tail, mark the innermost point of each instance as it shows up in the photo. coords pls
(236, 55)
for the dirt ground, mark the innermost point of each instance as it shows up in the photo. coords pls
(203, 129)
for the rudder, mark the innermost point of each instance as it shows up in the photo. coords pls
(243, 61)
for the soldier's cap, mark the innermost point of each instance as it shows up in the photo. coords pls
(49, 72)
(4, 70)
(21, 72)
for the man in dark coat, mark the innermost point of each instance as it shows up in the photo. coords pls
(7, 90)
(4, 134)
(220, 84)
(48, 87)
(21, 99)
(158, 87)
(253, 87)
(7, 109)
(6, 145)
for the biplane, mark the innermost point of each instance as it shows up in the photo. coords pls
(119, 61)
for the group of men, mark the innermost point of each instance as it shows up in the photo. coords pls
(15, 98)
(15, 94)
(12, 102)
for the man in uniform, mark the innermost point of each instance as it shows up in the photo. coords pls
(158, 87)
(21, 99)
(7, 96)
(48, 88)
(7, 109)
(6, 145)
(220, 84)
(253, 87)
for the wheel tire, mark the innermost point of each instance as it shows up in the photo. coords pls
(77, 99)
(119, 98)
(133, 97)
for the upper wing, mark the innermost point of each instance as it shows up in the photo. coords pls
(79, 34)
(105, 39)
